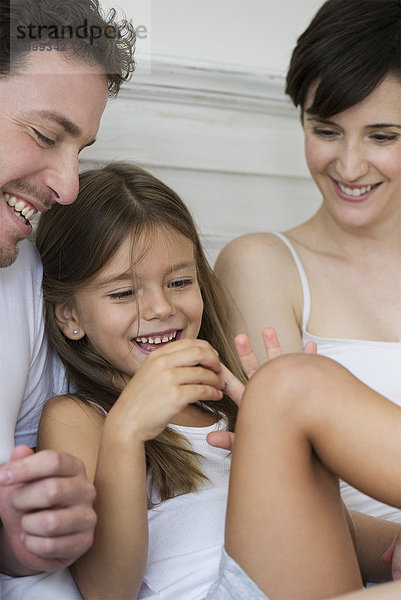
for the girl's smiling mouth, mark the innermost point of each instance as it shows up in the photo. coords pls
(150, 342)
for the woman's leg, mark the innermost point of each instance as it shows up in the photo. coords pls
(302, 419)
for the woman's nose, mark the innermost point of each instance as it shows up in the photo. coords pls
(352, 163)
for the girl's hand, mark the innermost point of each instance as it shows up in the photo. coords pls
(170, 379)
(235, 388)
(248, 358)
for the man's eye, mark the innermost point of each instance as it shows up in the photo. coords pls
(43, 138)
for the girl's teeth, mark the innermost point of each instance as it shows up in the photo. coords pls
(157, 340)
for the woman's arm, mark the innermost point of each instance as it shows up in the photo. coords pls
(261, 278)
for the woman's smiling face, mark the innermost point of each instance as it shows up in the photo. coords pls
(355, 157)
(126, 316)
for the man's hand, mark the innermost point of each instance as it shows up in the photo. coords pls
(46, 511)
(250, 364)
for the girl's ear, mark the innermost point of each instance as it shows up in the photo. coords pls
(67, 320)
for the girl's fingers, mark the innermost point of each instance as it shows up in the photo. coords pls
(193, 375)
(271, 342)
(196, 392)
(310, 348)
(247, 357)
(232, 386)
(221, 439)
(186, 353)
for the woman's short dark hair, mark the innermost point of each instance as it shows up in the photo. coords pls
(348, 49)
(75, 28)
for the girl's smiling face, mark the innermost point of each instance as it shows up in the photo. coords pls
(355, 156)
(128, 313)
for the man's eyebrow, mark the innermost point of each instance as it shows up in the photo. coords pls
(69, 127)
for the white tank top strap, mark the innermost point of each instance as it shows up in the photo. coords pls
(98, 406)
(304, 281)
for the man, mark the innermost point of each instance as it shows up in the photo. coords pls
(58, 62)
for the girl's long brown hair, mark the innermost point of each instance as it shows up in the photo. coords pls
(78, 240)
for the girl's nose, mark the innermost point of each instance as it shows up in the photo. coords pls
(157, 306)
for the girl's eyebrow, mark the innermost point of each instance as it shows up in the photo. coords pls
(182, 265)
(126, 276)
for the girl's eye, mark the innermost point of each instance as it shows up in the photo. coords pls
(43, 138)
(180, 283)
(121, 295)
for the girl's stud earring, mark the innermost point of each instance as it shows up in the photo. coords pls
(75, 332)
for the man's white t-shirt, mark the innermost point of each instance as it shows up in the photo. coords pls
(29, 375)
(25, 366)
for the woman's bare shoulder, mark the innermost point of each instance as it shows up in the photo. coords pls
(252, 248)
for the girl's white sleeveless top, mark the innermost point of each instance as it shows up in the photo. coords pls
(377, 364)
(186, 533)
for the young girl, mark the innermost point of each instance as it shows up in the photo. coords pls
(124, 276)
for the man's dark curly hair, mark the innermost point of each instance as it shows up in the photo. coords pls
(112, 47)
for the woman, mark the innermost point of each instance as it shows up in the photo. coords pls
(335, 279)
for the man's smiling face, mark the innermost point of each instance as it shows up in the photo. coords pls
(50, 110)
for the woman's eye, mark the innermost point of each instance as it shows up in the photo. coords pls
(324, 133)
(121, 295)
(385, 137)
(43, 138)
(180, 283)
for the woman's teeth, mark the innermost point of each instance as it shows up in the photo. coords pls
(156, 339)
(355, 191)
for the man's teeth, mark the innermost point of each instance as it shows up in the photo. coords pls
(157, 340)
(20, 208)
(354, 191)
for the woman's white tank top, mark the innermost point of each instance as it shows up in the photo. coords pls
(377, 364)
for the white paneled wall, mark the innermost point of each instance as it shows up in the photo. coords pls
(224, 137)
